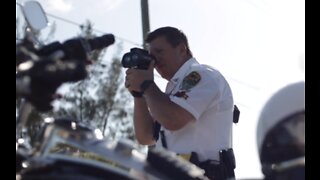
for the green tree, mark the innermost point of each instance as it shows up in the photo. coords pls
(100, 99)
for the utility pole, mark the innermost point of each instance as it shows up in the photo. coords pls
(145, 20)
(145, 28)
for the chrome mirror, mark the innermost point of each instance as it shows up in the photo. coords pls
(35, 15)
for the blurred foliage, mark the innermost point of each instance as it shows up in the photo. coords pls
(100, 100)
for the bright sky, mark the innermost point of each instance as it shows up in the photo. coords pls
(259, 45)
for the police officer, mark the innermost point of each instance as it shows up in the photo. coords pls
(195, 113)
(281, 134)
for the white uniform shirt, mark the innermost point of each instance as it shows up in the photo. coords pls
(210, 101)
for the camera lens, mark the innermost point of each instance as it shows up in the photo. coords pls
(137, 58)
(126, 60)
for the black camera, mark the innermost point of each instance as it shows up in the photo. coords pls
(137, 58)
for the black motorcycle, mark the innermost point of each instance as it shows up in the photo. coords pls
(41, 70)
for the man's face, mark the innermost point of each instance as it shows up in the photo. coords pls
(168, 58)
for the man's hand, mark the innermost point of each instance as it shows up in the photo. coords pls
(135, 77)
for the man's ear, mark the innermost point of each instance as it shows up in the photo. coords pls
(182, 48)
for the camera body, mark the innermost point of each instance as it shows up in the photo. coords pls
(137, 58)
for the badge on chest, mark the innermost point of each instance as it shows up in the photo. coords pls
(188, 82)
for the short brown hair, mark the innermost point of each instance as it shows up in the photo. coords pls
(173, 35)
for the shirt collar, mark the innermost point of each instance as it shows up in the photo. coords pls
(183, 70)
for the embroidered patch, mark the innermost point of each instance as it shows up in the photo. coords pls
(190, 81)
(181, 94)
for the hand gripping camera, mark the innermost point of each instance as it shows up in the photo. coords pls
(137, 58)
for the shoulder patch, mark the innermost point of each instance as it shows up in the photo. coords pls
(190, 80)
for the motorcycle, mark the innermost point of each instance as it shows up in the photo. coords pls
(41, 69)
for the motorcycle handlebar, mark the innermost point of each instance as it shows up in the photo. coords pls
(39, 83)
(77, 48)
(47, 72)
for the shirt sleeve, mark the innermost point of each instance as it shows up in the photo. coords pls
(198, 98)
